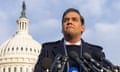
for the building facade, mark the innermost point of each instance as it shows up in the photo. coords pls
(20, 52)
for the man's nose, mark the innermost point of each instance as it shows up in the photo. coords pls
(70, 21)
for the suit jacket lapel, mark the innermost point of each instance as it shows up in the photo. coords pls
(59, 48)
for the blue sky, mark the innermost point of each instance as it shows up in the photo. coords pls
(102, 20)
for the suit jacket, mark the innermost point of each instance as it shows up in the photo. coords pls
(51, 49)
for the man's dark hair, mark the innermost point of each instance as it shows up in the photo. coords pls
(73, 10)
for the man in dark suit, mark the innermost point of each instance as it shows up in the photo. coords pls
(72, 29)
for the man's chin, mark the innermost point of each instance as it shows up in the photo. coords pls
(69, 33)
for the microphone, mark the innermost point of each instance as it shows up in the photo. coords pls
(116, 68)
(88, 57)
(64, 60)
(100, 57)
(110, 65)
(73, 55)
(46, 63)
(56, 63)
(89, 65)
(101, 68)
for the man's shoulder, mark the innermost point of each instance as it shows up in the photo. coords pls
(52, 42)
(93, 46)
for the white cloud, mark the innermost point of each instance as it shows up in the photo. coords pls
(108, 31)
(48, 29)
(48, 24)
(41, 4)
(94, 7)
(116, 5)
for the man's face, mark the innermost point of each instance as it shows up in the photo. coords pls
(72, 24)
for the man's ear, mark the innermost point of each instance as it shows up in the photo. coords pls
(83, 28)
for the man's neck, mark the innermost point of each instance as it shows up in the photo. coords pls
(72, 39)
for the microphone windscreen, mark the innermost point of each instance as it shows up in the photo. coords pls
(46, 63)
(87, 56)
(100, 56)
(73, 55)
(58, 56)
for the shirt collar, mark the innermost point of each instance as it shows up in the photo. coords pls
(68, 43)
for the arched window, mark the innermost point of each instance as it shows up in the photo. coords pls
(26, 49)
(21, 48)
(38, 51)
(3, 69)
(26, 69)
(8, 49)
(17, 48)
(12, 48)
(22, 25)
(35, 50)
(25, 25)
(9, 69)
(15, 69)
(30, 49)
(20, 69)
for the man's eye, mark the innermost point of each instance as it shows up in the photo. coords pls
(66, 19)
(74, 19)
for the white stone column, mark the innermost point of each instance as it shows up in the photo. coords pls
(6, 68)
(24, 69)
(1, 70)
(18, 69)
(29, 69)
(12, 68)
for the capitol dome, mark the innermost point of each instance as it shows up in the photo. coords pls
(20, 52)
